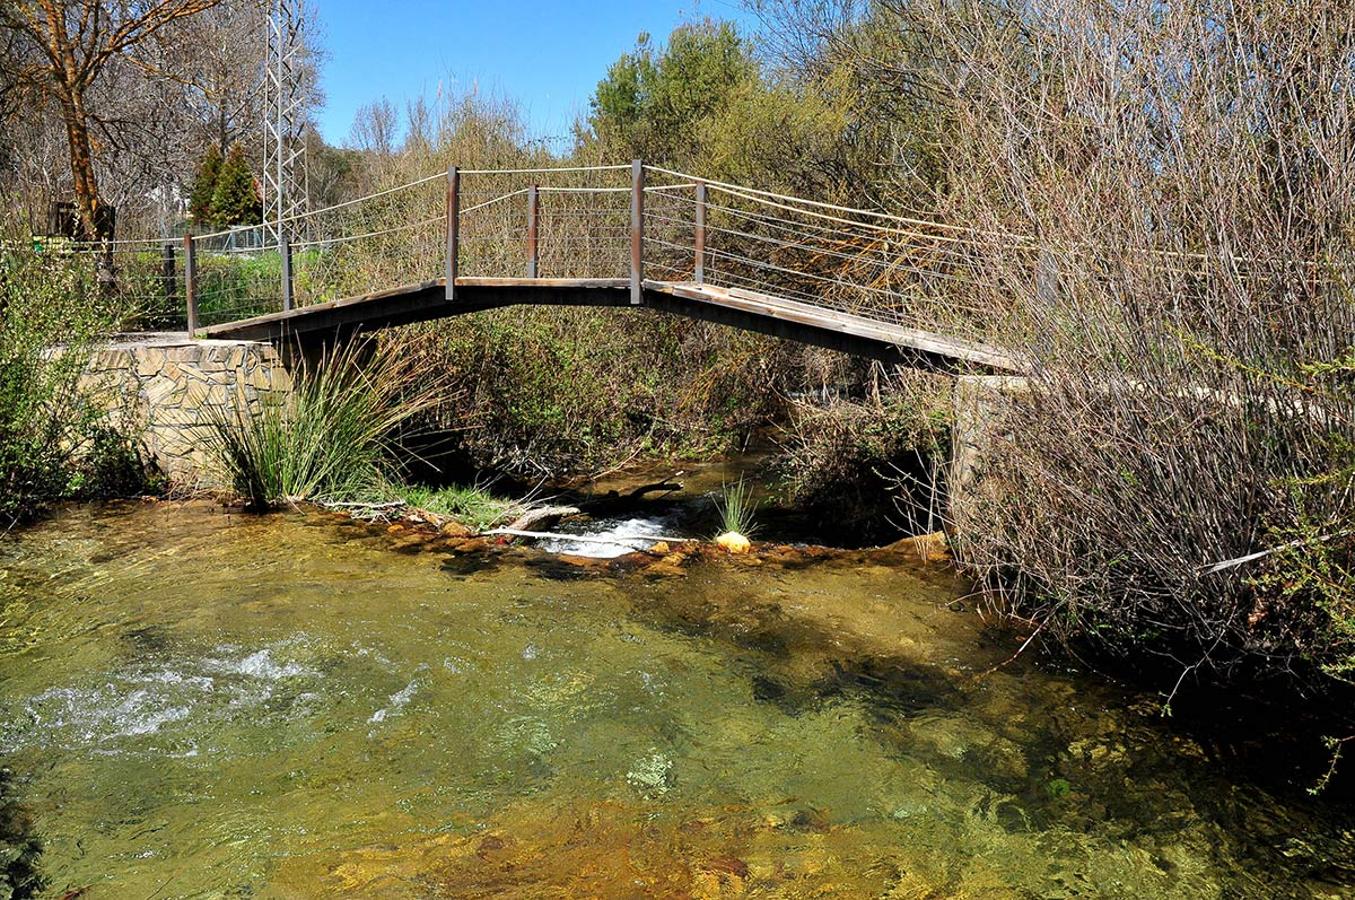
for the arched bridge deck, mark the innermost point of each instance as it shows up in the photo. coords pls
(739, 308)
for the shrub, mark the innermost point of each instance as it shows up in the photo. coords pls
(204, 186)
(546, 392)
(51, 317)
(235, 200)
(873, 467)
(1184, 259)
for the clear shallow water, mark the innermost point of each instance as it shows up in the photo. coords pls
(203, 704)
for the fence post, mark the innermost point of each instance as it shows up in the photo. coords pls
(700, 272)
(190, 283)
(637, 231)
(285, 251)
(453, 228)
(533, 203)
(167, 276)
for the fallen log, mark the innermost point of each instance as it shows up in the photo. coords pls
(543, 515)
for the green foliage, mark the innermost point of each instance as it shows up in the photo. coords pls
(238, 285)
(653, 101)
(235, 201)
(334, 437)
(738, 509)
(1058, 788)
(873, 467)
(51, 316)
(1310, 576)
(204, 186)
(557, 391)
(779, 137)
(470, 505)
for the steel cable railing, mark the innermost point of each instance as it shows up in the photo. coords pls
(613, 222)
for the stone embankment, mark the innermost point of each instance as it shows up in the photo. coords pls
(167, 389)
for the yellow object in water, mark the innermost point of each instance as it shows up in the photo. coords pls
(734, 542)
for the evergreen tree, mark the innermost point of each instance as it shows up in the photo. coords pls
(235, 200)
(653, 99)
(204, 187)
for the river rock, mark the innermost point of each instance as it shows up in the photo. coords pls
(662, 569)
(734, 542)
(456, 530)
(923, 548)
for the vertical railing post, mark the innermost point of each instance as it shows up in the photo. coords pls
(190, 283)
(453, 228)
(637, 231)
(533, 206)
(285, 251)
(168, 284)
(699, 273)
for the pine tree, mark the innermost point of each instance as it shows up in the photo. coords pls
(235, 201)
(204, 187)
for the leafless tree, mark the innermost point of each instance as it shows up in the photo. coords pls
(71, 45)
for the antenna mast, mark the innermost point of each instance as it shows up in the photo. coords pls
(286, 183)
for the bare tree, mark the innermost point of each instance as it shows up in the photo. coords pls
(72, 44)
(221, 53)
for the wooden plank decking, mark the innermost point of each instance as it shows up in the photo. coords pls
(751, 311)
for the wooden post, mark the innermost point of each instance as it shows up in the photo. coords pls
(637, 232)
(533, 203)
(167, 275)
(453, 228)
(700, 272)
(190, 283)
(285, 251)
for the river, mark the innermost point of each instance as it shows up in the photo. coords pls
(198, 703)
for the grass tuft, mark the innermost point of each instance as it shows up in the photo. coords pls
(472, 506)
(737, 509)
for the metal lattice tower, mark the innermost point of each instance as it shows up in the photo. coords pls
(285, 179)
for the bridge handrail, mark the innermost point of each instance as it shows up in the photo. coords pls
(870, 263)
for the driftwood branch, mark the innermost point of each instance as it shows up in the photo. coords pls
(585, 538)
(1261, 554)
(665, 486)
(545, 516)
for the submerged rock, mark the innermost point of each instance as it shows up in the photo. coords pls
(455, 529)
(653, 775)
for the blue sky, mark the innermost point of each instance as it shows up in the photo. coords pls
(546, 56)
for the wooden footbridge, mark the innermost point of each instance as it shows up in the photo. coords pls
(463, 241)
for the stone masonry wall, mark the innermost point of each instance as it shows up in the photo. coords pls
(981, 403)
(167, 389)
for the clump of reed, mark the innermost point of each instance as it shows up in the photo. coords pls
(334, 437)
(738, 509)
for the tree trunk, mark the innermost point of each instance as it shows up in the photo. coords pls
(82, 162)
(87, 187)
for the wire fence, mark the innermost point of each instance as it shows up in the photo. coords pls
(141, 279)
(237, 275)
(574, 223)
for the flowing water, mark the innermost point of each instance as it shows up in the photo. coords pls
(199, 703)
